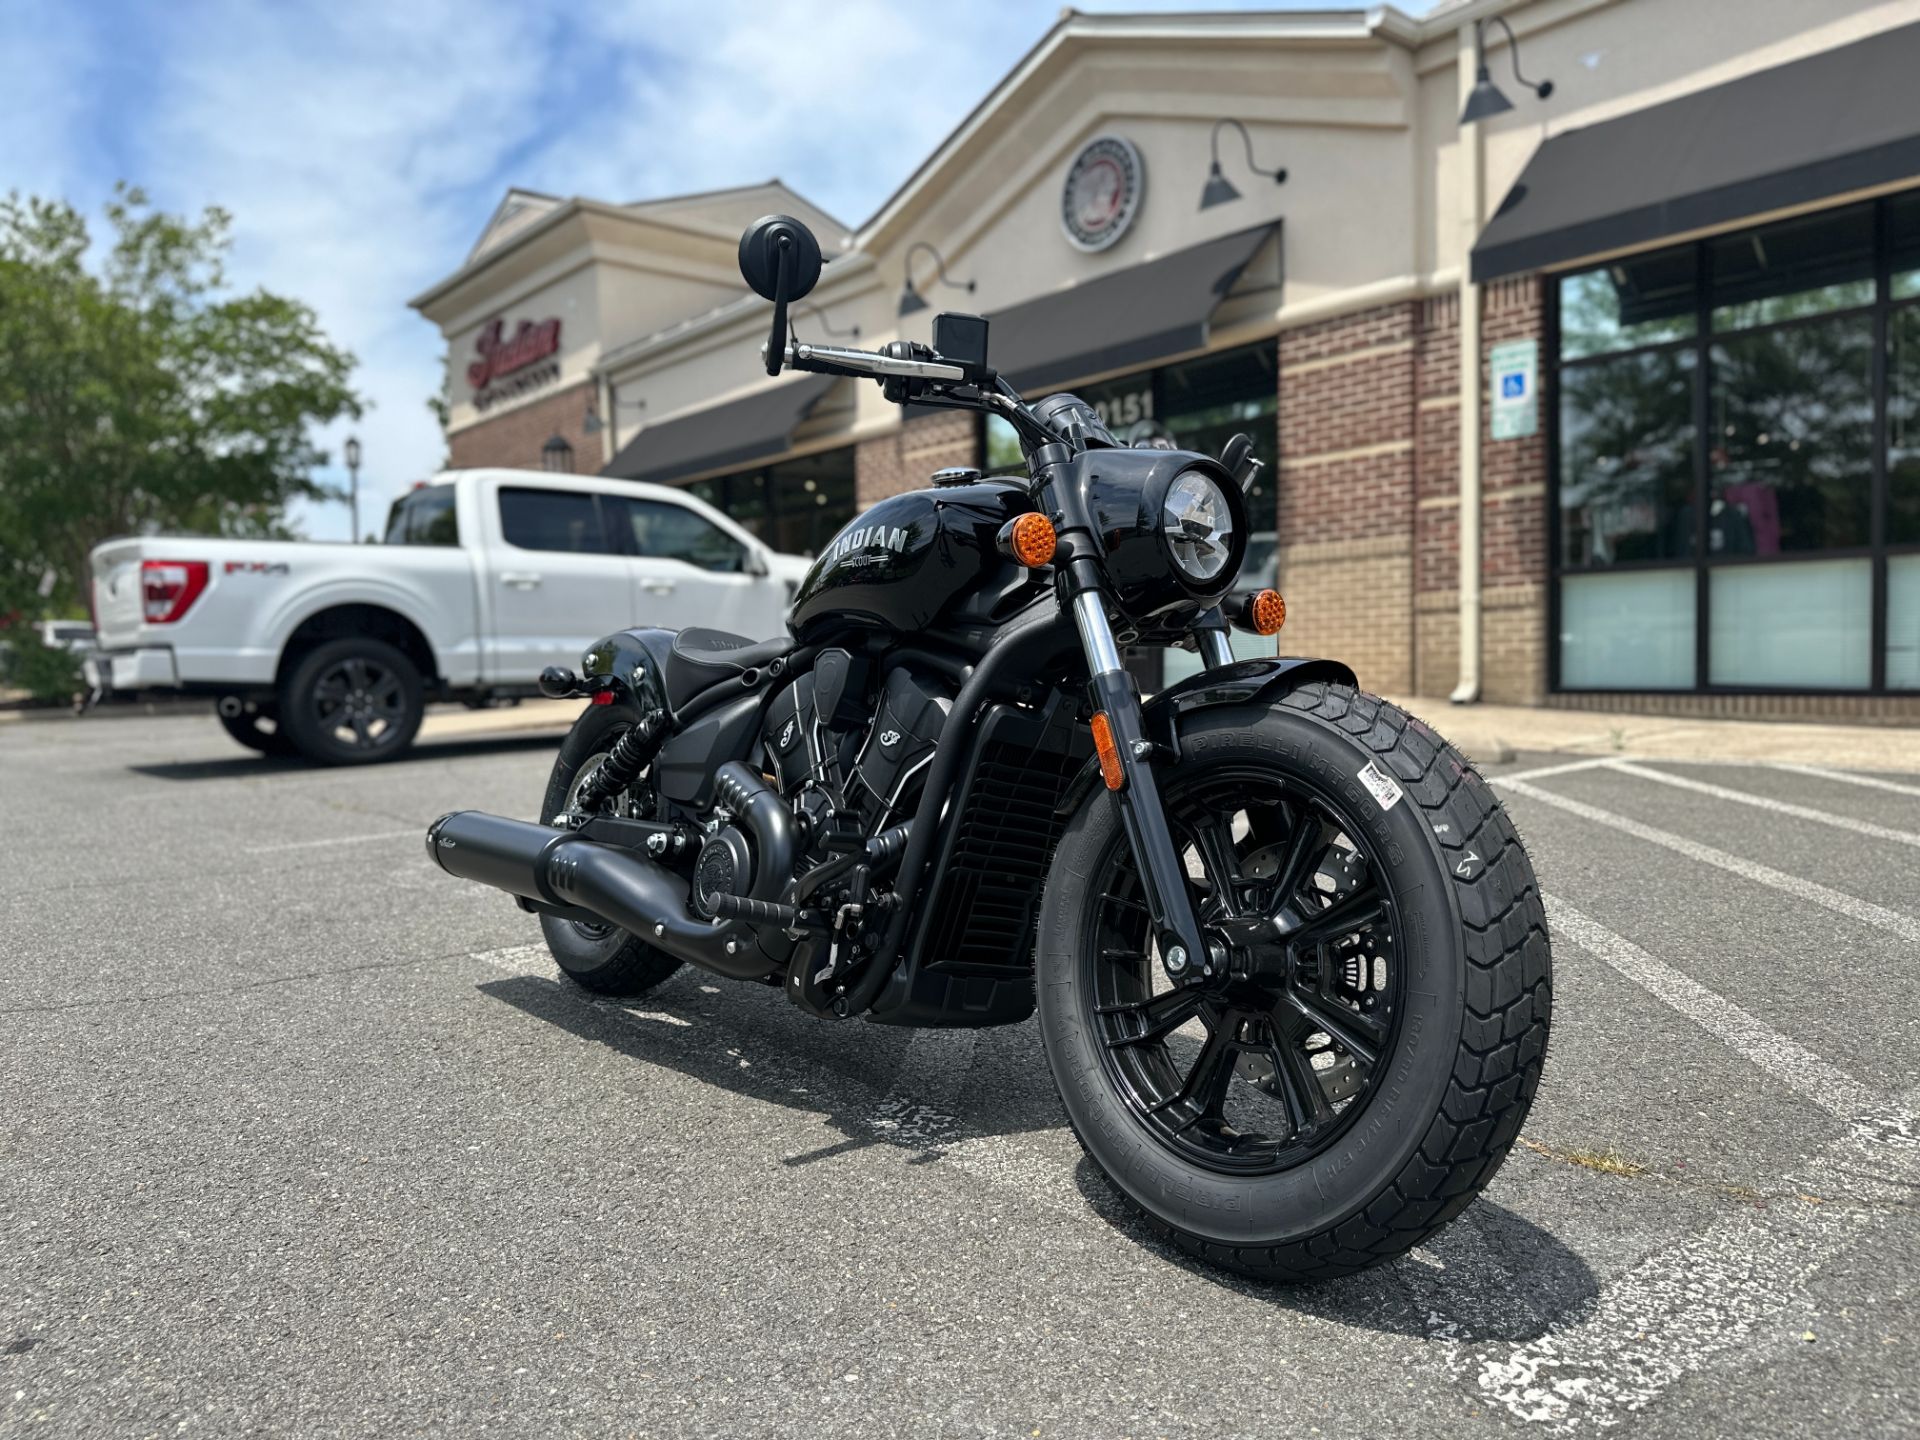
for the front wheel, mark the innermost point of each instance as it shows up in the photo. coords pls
(1349, 1066)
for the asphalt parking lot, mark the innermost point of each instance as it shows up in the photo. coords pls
(300, 1137)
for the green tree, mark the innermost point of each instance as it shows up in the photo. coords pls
(140, 393)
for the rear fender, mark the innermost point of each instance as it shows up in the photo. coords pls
(1245, 682)
(635, 662)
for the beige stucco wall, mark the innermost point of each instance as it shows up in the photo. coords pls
(1366, 124)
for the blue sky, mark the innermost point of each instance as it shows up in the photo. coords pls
(360, 145)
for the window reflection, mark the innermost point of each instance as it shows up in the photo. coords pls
(1626, 459)
(1806, 266)
(1643, 300)
(1791, 445)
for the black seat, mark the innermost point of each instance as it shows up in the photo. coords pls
(703, 658)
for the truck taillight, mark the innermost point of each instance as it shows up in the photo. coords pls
(168, 588)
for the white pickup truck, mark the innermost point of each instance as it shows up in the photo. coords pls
(487, 576)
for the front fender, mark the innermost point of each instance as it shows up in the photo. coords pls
(1245, 682)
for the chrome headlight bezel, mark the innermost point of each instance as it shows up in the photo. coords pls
(1199, 528)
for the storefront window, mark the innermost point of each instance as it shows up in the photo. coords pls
(1632, 631)
(1792, 439)
(1793, 626)
(1903, 622)
(1903, 426)
(1626, 458)
(1757, 526)
(1641, 301)
(1806, 266)
(796, 506)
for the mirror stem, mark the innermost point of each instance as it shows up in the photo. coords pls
(777, 342)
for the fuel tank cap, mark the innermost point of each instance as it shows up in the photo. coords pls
(956, 475)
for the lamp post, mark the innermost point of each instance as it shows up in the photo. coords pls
(1218, 189)
(911, 299)
(353, 474)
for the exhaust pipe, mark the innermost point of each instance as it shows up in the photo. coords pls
(639, 895)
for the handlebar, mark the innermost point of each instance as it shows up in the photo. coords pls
(842, 360)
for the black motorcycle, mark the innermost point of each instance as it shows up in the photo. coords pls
(1290, 960)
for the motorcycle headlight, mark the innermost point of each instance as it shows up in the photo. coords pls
(1197, 522)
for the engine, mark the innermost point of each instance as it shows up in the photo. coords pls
(842, 739)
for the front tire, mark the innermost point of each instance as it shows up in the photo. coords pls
(602, 958)
(1349, 1092)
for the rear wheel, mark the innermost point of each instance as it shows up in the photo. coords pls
(1351, 1063)
(602, 958)
(352, 701)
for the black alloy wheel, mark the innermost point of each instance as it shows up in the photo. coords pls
(1254, 1058)
(352, 702)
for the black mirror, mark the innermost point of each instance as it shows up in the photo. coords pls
(780, 261)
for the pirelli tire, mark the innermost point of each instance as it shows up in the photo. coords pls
(1467, 1049)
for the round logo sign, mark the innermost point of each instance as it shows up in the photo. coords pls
(1102, 192)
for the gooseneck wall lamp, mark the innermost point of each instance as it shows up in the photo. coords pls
(852, 332)
(1219, 190)
(1486, 99)
(911, 299)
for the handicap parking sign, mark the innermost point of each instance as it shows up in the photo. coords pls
(1515, 366)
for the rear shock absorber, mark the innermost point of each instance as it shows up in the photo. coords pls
(630, 754)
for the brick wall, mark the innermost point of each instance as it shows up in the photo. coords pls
(1348, 422)
(513, 438)
(1513, 530)
(889, 464)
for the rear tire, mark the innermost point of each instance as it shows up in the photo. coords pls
(352, 701)
(245, 728)
(604, 959)
(1458, 1010)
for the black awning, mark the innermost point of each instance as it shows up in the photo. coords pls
(1839, 121)
(1129, 318)
(727, 436)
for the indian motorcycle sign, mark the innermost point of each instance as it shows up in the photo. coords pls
(511, 365)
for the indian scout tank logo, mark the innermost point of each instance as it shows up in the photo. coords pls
(867, 537)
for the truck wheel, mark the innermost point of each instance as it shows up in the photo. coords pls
(246, 726)
(352, 702)
(1355, 1058)
(602, 958)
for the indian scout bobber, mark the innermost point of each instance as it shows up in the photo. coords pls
(1290, 961)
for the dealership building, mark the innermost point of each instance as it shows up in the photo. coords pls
(1685, 281)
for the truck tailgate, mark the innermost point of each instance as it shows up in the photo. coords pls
(117, 604)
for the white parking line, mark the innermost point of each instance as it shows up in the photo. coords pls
(340, 840)
(1765, 802)
(1865, 911)
(1873, 782)
(1829, 1088)
(1688, 1305)
(1546, 770)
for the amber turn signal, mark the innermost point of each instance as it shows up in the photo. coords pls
(1265, 613)
(1108, 752)
(1029, 540)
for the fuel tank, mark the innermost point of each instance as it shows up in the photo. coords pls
(915, 560)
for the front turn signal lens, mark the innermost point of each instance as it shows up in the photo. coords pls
(1030, 540)
(1266, 613)
(1108, 752)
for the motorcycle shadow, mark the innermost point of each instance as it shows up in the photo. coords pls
(247, 766)
(1492, 1276)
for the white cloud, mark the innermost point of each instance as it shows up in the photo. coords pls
(361, 146)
